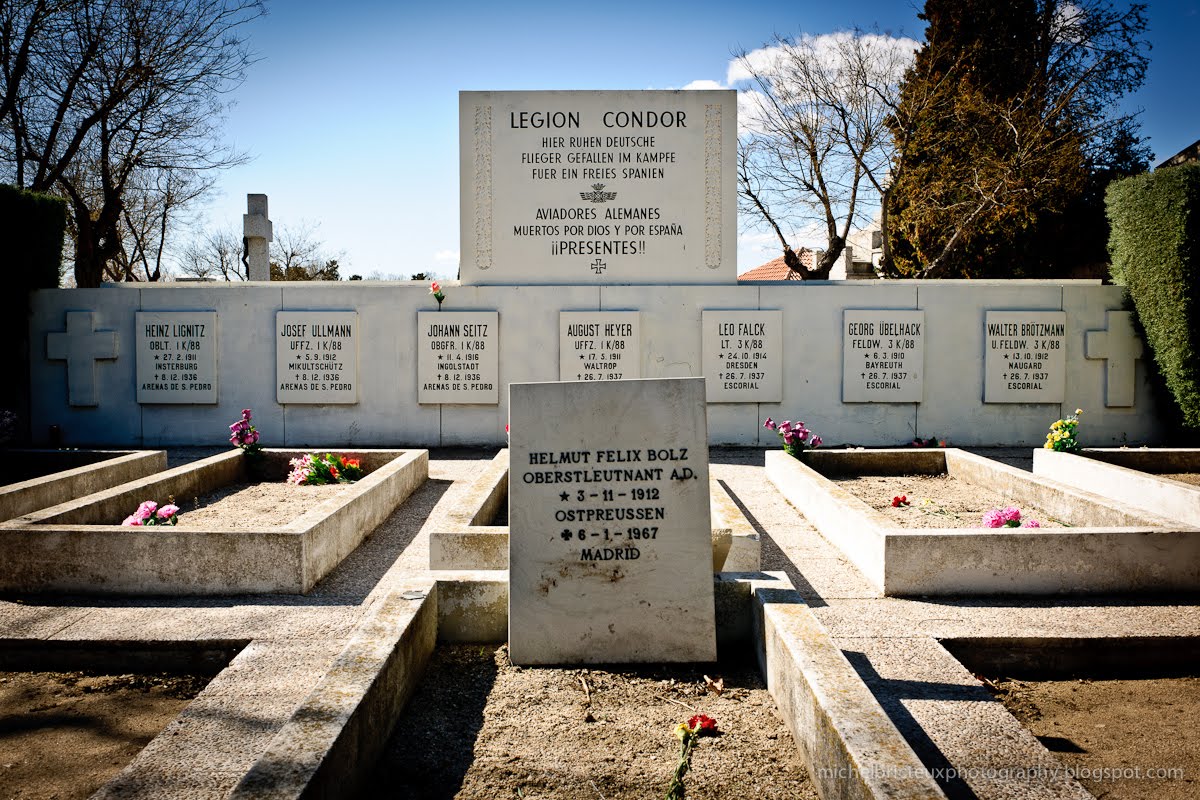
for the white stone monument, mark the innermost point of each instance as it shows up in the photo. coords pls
(598, 187)
(610, 543)
(258, 233)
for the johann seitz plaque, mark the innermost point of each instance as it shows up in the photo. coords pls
(176, 356)
(610, 544)
(883, 356)
(743, 356)
(1026, 357)
(599, 345)
(458, 357)
(316, 357)
(598, 187)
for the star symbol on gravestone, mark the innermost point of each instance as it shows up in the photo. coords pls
(564, 497)
(439, 357)
(566, 535)
(156, 357)
(297, 358)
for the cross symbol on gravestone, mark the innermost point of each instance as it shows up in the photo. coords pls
(80, 345)
(1121, 346)
(598, 266)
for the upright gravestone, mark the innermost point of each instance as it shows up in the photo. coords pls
(610, 545)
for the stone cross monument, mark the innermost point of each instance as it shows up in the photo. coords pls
(256, 229)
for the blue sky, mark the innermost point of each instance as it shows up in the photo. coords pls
(351, 113)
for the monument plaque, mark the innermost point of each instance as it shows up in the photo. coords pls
(743, 356)
(883, 356)
(316, 357)
(599, 345)
(458, 357)
(598, 187)
(610, 544)
(1025, 359)
(176, 356)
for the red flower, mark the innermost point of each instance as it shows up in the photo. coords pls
(703, 725)
(350, 462)
(901, 500)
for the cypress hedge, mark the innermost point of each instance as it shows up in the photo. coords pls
(31, 227)
(1155, 251)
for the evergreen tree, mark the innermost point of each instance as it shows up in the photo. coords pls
(1004, 132)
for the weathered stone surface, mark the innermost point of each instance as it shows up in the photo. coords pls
(610, 552)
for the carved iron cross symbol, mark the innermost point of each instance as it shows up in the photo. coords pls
(598, 266)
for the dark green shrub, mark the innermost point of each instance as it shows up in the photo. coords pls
(31, 227)
(1155, 250)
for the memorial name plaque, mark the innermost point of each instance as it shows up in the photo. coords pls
(610, 543)
(176, 356)
(883, 356)
(598, 187)
(458, 357)
(316, 357)
(743, 356)
(599, 345)
(1025, 359)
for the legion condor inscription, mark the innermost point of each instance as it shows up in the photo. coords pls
(597, 187)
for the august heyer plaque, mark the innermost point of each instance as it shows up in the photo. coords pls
(599, 345)
(1025, 359)
(598, 187)
(458, 357)
(610, 545)
(883, 356)
(316, 357)
(176, 356)
(743, 356)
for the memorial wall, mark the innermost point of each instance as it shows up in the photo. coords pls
(598, 235)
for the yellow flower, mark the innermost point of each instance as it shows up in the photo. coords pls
(682, 731)
(1078, 411)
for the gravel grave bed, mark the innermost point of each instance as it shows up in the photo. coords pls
(935, 501)
(1184, 477)
(254, 505)
(479, 727)
(1120, 738)
(65, 734)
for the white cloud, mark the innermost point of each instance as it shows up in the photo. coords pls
(705, 84)
(446, 256)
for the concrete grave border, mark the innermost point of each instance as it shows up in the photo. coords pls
(81, 473)
(849, 745)
(60, 549)
(466, 544)
(1128, 476)
(1114, 550)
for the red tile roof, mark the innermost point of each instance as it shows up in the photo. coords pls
(777, 270)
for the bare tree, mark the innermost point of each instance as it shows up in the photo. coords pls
(213, 254)
(298, 255)
(103, 99)
(816, 149)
